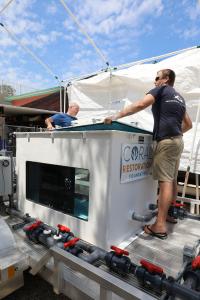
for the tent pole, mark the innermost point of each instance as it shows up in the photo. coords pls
(131, 64)
(6, 5)
(110, 96)
(90, 40)
(65, 91)
(197, 193)
(190, 158)
(154, 58)
(60, 97)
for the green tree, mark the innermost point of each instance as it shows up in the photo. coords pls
(6, 91)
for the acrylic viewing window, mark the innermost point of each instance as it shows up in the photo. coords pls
(61, 188)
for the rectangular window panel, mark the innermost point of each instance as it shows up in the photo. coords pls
(61, 188)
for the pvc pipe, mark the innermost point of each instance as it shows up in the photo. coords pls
(95, 253)
(98, 254)
(193, 217)
(159, 282)
(191, 282)
(168, 284)
(17, 213)
(144, 218)
(175, 289)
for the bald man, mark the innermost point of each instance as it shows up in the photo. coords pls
(62, 119)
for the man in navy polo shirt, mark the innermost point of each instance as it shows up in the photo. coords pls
(171, 120)
(62, 119)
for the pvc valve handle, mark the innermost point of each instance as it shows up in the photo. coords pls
(119, 251)
(71, 243)
(63, 228)
(151, 267)
(196, 263)
(177, 204)
(34, 225)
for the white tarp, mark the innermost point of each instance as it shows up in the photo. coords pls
(104, 93)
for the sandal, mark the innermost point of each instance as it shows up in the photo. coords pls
(160, 235)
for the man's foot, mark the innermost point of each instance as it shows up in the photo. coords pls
(161, 235)
(171, 220)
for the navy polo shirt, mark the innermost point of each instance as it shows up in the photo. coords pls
(168, 112)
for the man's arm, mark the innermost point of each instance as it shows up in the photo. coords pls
(186, 123)
(132, 108)
(49, 122)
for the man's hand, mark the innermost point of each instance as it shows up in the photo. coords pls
(50, 127)
(186, 123)
(108, 120)
(48, 122)
(131, 108)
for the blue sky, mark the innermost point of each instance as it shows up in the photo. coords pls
(124, 30)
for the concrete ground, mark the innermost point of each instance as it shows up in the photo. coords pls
(35, 288)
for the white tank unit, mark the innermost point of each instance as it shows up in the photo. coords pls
(12, 262)
(5, 176)
(89, 181)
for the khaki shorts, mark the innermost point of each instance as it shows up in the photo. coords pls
(166, 158)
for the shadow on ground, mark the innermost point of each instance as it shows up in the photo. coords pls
(35, 288)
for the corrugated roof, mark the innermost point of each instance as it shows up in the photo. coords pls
(33, 94)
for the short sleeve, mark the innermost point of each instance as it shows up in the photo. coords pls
(54, 117)
(155, 92)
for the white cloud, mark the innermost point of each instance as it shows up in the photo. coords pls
(105, 17)
(42, 40)
(191, 8)
(20, 20)
(23, 80)
(5, 40)
(103, 20)
(194, 12)
(52, 8)
(18, 10)
(191, 33)
(118, 27)
(106, 21)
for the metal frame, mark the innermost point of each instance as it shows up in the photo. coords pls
(188, 200)
(108, 283)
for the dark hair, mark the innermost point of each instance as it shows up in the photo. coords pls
(171, 74)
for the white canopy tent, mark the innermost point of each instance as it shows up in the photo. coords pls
(109, 91)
